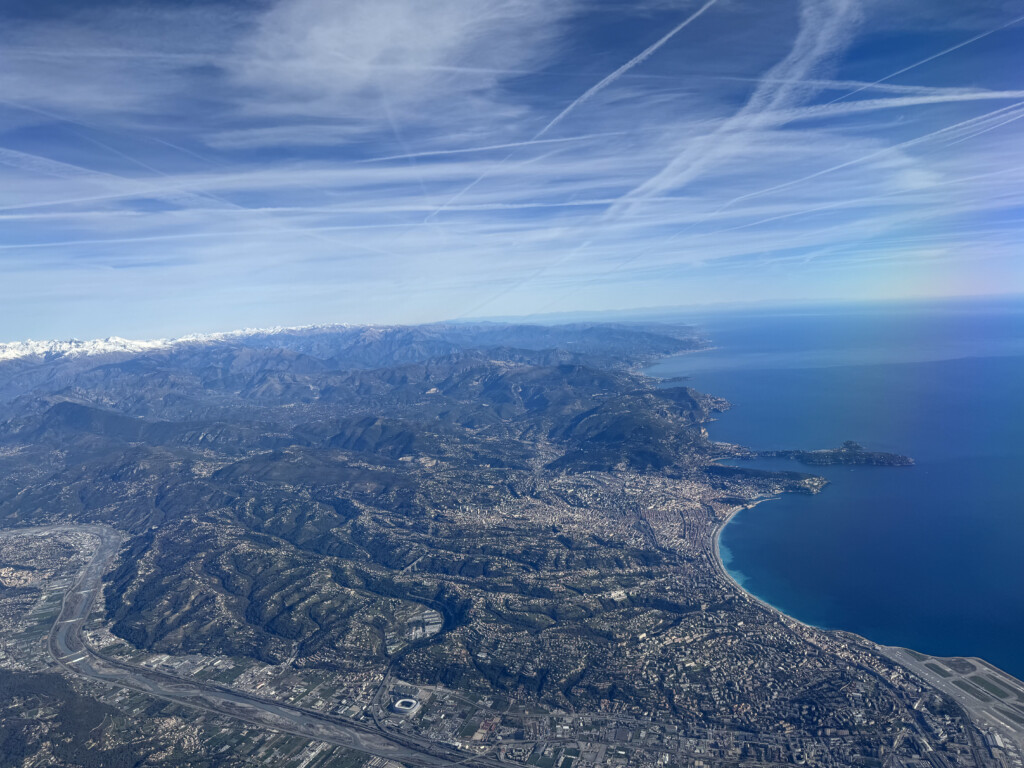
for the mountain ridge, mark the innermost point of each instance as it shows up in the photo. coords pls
(51, 349)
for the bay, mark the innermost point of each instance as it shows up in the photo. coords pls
(929, 557)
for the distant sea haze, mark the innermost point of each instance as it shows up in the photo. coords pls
(929, 557)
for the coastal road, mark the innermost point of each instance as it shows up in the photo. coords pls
(70, 650)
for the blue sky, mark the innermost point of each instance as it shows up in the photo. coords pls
(177, 167)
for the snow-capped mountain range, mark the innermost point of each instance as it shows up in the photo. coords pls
(115, 345)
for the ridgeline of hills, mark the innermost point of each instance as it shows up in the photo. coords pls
(849, 453)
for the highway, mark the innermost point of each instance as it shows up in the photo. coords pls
(70, 650)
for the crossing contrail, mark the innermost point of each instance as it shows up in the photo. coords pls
(491, 147)
(638, 59)
(934, 56)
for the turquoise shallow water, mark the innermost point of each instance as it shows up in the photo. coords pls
(931, 556)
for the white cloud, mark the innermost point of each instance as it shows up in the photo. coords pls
(826, 27)
(355, 59)
(111, 60)
(342, 150)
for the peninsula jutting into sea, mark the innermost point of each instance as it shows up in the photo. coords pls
(491, 543)
(924, 557)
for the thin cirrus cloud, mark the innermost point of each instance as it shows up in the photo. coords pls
(171, 168)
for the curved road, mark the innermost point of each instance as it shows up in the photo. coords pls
(69, 649)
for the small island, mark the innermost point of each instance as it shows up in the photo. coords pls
(850, 453)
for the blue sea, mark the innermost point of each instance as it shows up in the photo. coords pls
(929, 557)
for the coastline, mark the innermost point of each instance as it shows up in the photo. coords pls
(660, 375)
(943, 674)
(963, 680)
(724, 570)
